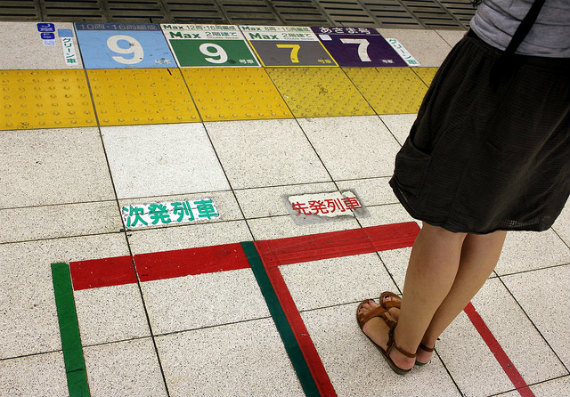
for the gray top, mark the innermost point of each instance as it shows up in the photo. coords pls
(496, 21)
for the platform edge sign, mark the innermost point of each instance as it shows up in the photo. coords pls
(359, 47)
(123, 45)
(209, 46)
(287, 46)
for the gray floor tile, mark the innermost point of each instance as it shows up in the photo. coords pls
(386, 215)
(451, 37)
(532, 250)
(544, 295)
(516, 334)
(271, 201)
(373, 191)
(45, 167)
(556, 387)
(160, 160)
(265, 153)
(397, 263)
(426, 46)
(110, 314)
(562, 224)
(399, 125)
(183, 303)
(42, 375)
(70, 220)
(243, 359)
(33, 53)
(28, 316)
(124, 369)
(352, 147)
(470, 362)
(336, 281)
(285, 226)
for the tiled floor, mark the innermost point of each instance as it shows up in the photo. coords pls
(214, 334)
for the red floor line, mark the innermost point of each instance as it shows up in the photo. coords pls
(105, 272)
(337, 244)
(192, 261)
(317, 247)
(304, 340)
(108, 272)
(498, 352)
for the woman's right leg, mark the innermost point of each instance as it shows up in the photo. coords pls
(434, 262)
(479, 256)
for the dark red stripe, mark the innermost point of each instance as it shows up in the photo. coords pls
(498, 351)
(106, 272)
(180, 263)
(302, 336)
(323, 246)
(336, 244)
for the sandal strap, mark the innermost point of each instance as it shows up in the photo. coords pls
(393, 345)
(427, 349)
(395, 300)
(377, 312)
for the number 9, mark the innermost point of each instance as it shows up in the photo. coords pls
(134, 48)
(218, 52)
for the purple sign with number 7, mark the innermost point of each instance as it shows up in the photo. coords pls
(359, 47)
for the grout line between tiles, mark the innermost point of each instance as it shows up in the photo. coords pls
(533, 324)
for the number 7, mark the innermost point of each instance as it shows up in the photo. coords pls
(362, 48)
(294, 51)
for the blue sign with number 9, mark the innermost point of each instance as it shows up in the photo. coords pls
(123, 45)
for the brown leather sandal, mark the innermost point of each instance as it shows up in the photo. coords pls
(389, 320)
(427, 349)
(389, 300)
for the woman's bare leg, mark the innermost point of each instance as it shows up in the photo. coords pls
(433, 265)
(479, 256)
(445, 271)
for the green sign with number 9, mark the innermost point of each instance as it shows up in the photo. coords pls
(212, 53)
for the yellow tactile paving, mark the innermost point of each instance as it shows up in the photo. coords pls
(319, 92)
(235, 94)
(141, 96)
(44, 99)
(389, 90)
(426, 74)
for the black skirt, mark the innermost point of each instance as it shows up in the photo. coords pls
(489, 154)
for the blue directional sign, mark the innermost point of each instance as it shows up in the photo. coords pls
(123, 45)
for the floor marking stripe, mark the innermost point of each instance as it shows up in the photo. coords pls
(498, 352)
(180, 263)
(301, 333)
(69, 330)
(106, 272)
(264, 258)
(336, 244)
(281, 322)
(119, 270)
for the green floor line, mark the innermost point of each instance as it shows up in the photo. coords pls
(69, 329)
(291, 346)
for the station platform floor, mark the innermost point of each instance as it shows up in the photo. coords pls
(159, 235)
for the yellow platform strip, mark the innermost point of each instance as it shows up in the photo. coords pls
(44, 99)
(141, 96)
(426, 74)
(235, 94)
(319, 92)
(389, 90)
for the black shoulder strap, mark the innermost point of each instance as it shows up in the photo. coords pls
(524, 27)
(505, 62)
